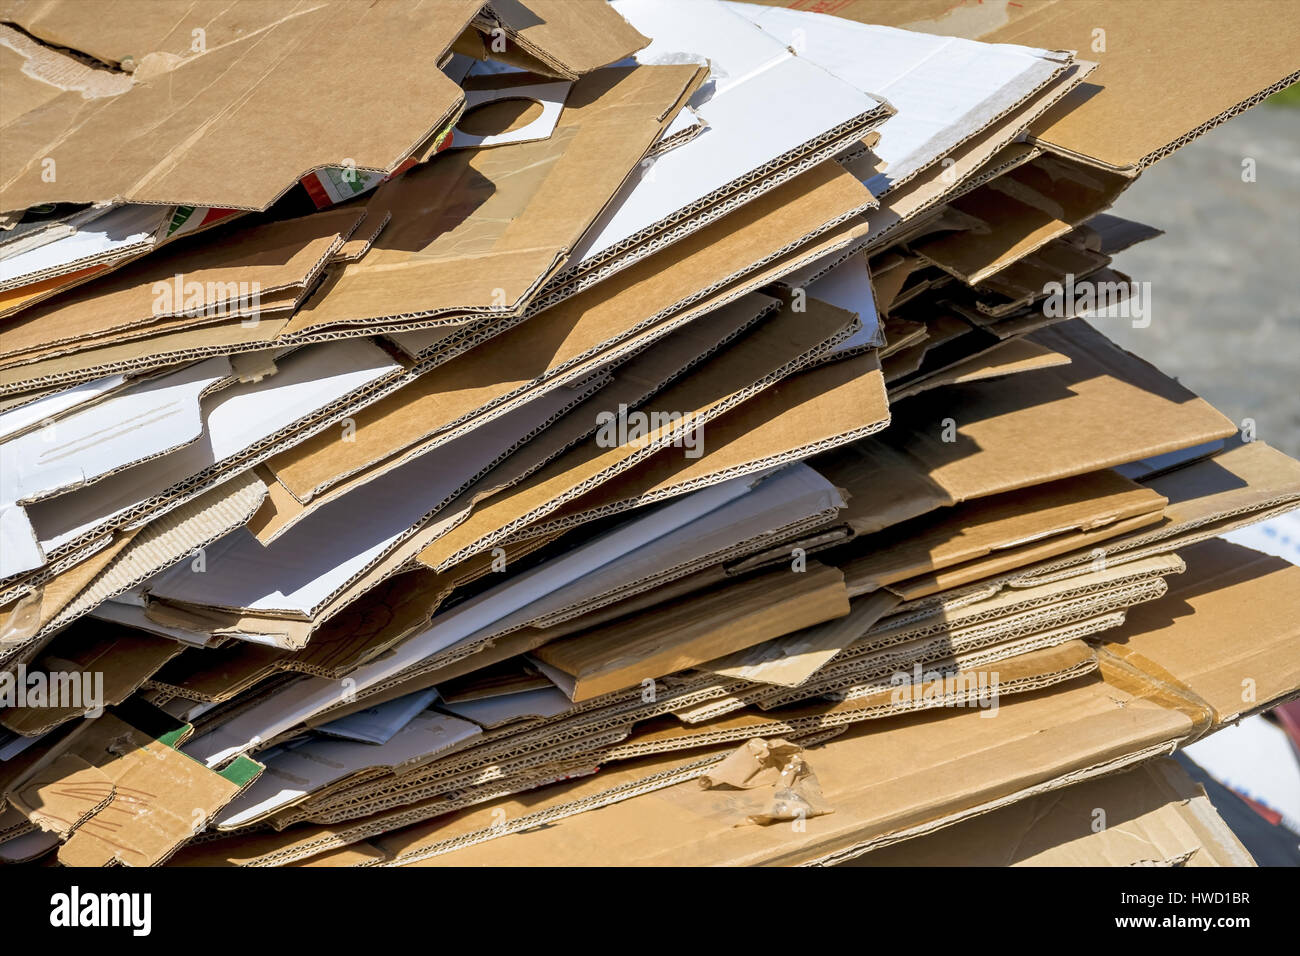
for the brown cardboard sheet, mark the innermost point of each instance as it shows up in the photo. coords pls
(970, 441)
(477, 231)
(146, 132)
(1005, 522)
(684, 634)
(1167, 70)
(1225, 634)
(116, 789)
(564, 337)
(566, 38)
(819, 408)
(225, 273)
(111, 661)
(1152, 815)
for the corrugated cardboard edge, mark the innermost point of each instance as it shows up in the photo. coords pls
(161, 544)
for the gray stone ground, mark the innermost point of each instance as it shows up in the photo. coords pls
(1225, 278)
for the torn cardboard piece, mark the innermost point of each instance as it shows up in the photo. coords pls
(118, 791)
(776, 768)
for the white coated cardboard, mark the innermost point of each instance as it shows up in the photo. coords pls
(490, 712)
(235, 420)
(848, 286)
(307, 565)
(128, 229)
(303, 699)
(48, 408)
(945, 89)
(760, 103)
(379, 724)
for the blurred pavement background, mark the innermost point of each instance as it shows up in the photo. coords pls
(1225, 279)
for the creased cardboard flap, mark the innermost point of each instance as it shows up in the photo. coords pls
(196, 105)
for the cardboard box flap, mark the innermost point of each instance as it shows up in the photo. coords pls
(1165, 77)
(1024, 281)
(571, 39)
(476, 231)
(149, 135)
(106, 356)
(848, 287)
(226, 277)
(1158, 90)
(792, 660)
(1247, 476)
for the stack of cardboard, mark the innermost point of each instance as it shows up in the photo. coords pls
(670, 419)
